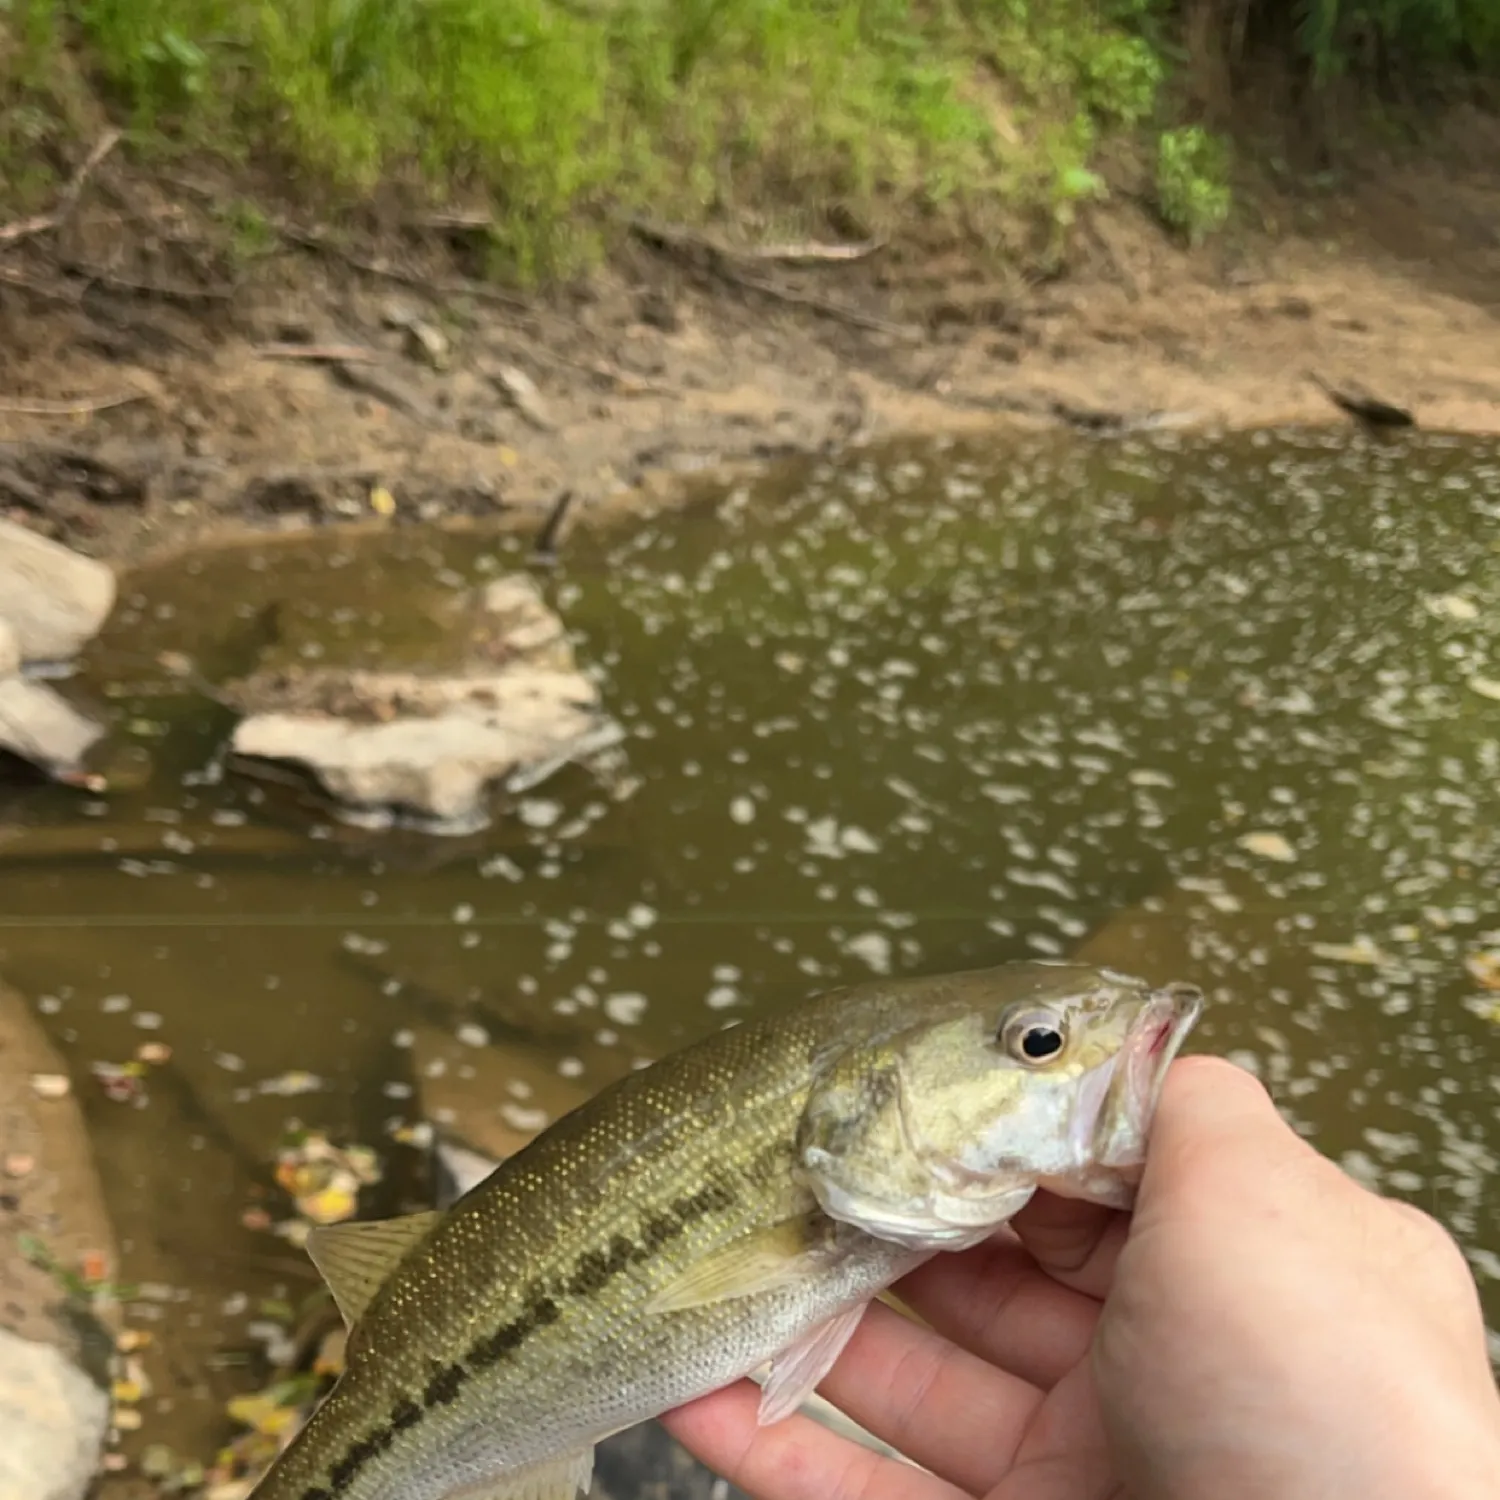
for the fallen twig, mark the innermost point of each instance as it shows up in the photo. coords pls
(824, 305)
(544, 550)
(371, 380)
(723, 263)
(22, 490)
(57, 215)
(813, 252)
(327, 245)
(66, 296)
(1363, 406)
(79, 407)
(340, 352)
(166, 291)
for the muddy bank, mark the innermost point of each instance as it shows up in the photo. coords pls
(155, 391)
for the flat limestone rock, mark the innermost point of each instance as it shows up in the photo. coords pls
(54, 1419)
(42, 727)
(54, 599)
(10, 649)
(451, 739)
(503, 700)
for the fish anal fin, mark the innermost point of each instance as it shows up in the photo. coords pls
(796, 1371)
(557, 1479)
(759, 1261)
(355, 1258)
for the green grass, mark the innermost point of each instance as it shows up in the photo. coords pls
(568, 114)
(786, 116)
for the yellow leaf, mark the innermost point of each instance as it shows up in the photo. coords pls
(1269, 846)
(382, 501)
(507, 456)
(1360, 951)
(1485, 968)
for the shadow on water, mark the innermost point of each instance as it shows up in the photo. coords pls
(1222, 710)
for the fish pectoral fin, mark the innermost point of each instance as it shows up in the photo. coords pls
(355, 1258)
(756, 1262)
(796, 1371)
(895, 1304)
(557, 1479)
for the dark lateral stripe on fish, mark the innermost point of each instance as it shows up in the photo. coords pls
(593, 1271)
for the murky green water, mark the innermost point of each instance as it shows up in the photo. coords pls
(938, 707)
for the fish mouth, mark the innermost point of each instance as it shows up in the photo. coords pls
(1130, 1086)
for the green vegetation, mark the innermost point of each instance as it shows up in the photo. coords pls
(780, 115)
(1192, 181)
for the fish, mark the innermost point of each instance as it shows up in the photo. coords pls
(738, 1202)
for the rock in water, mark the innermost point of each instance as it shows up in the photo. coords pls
(10, 649)
(54, 1419)
(430, 742)
(54, 599)
(42, 727)
(55, 1354)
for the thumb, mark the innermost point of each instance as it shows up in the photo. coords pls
(1217, 1125)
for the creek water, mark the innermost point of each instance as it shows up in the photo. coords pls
(1213, 709)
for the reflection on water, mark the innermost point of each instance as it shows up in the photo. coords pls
(1221, 709)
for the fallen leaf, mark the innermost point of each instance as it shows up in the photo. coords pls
(1360, 951)
(262, 1414)
(1452, 606)
(1268, 846)
(1485, 968)
(382, 501)
(50, 1085)
(1486, 687)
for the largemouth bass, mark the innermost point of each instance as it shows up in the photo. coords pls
(740, 1201)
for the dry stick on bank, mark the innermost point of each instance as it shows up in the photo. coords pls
(1360, 404)
(58, 215)
(721, 262)
(325, 244)
(335, 353)
(82, 406)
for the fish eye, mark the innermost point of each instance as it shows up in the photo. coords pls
(1033, 1036)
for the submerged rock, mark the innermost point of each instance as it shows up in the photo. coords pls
(54, 1419)
(56, 1337)
(40, 726)
(54, 599)
(430, 742)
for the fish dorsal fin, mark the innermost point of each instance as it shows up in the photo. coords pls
(557, 1479)
(355, 1258)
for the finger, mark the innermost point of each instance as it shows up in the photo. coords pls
(1075, 1243)
(794, 1459)
(951, 1411)
(1218, 1132)
(996, 1302)
(1066, 1455)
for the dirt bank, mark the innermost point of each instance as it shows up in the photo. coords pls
(315, 379)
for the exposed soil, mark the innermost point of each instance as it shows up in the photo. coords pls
(682, 356)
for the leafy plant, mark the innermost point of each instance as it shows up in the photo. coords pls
(1192, 181)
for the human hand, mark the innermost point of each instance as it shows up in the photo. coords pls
(1260, 1328)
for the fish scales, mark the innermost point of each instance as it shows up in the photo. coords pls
(508, 1335)
(545, 1310)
